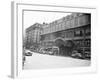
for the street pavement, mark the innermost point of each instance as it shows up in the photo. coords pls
(44, 61)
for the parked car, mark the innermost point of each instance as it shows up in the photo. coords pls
(55, 50)
(49, 51)
(42, 51)
(76, 54)
(46, 51)
(28, 53)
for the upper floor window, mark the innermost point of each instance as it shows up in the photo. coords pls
(78, 33)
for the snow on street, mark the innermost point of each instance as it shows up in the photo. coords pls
(40, 61)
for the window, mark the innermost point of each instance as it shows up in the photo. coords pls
(76, 21)
(87, 42)
(78, 33)
(87, 32)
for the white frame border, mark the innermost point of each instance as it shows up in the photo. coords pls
(17, 23)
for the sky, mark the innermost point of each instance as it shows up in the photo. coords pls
(32, 17)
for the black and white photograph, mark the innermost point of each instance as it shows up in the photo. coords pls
(50, 40)
(56, 39)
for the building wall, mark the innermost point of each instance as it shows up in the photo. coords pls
(75, 27)
(59, 27)
(33, 35)
(70, 21)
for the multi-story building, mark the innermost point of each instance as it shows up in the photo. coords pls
(33, 35)
(72, 29)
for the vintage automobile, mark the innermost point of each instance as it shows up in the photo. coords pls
(42, 51)
(77, 54)
(28, 53)
(80, 53)
(49, 50)
(45, 51)
(55, 50)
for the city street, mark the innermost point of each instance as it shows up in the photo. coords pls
(43, 61)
